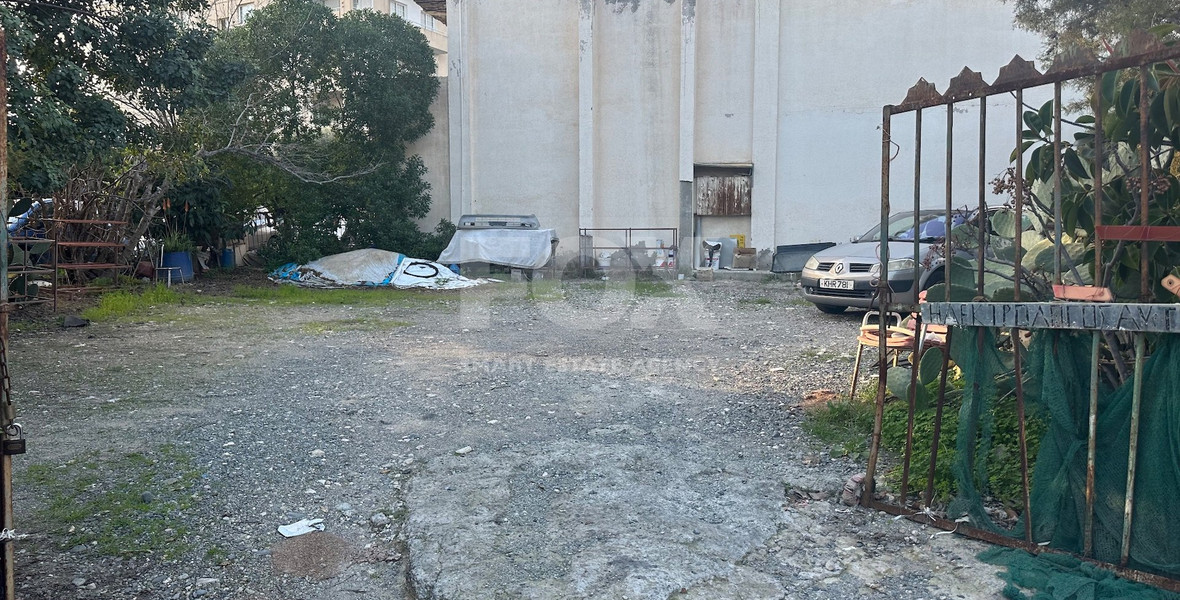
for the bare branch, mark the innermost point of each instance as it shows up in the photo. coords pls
(271, 154)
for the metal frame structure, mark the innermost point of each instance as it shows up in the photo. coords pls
(1140, 52)
(629, 241)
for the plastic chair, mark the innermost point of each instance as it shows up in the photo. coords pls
(930, 335)
(899, 339)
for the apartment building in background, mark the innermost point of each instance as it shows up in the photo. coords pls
(429, 16)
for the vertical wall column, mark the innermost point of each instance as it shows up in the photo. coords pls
(688, 105)
(458, 95)
(767, 35)
(586, 114)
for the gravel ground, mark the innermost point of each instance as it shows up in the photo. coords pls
(483, 444)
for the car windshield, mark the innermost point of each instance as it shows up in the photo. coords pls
(931, 226)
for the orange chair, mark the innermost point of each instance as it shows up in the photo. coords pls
(898, 339)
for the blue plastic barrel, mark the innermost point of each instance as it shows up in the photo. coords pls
(181, 262)
(227, 258)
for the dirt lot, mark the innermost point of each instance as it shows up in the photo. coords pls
(590, 440)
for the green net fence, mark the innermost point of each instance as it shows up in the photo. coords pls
(1057, 368)
(1063, 577)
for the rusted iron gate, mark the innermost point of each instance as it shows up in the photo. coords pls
(1140, 52)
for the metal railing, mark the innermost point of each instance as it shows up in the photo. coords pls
(1135, 59)
(631, 242)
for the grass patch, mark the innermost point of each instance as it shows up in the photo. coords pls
(546, 290)
(654, 289)
(648, 288)
(118, 506)
(292, 295)
(124, 303)
(356, 324)
(844, 424)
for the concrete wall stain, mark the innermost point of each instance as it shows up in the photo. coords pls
(622, 5)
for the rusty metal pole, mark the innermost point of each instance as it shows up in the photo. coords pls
(1018, 175)
(915, 357)
(1140, 338)
(1132, 455)
(1014, 334)
(1096, 343)
(883, 284)
(947, 247)
(1057, 227)
(1144, 185)
(9, 414)
(982, 226)
(982, 217)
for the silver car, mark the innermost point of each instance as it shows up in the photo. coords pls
(845, 275)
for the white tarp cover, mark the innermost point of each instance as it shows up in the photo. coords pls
(520, 248)
(372, 268)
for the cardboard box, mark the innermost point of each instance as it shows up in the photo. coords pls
(745, 258)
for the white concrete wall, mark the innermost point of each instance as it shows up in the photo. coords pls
(514, 110)
(842, 60)
(636, 114)
(724, 82)
(593, 113)
(434, 148)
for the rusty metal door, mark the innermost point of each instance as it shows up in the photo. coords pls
(722, 193)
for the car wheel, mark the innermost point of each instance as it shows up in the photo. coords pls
(830, 309)
(935, 278)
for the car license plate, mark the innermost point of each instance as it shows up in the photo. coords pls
(836, 284)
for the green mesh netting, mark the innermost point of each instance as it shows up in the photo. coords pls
(1061, 577)
(1057, 368)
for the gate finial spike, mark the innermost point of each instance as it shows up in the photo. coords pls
(1139, 42)
(922, 92)
(966, 84)
(1017, 70)
(1072, 57)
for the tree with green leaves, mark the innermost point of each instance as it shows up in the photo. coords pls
(95, 90)
(87, 74)
(316, 132)
(1094, 24)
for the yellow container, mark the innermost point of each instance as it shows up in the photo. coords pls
(741, 239)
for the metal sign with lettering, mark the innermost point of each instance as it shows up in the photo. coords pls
(1055, 315)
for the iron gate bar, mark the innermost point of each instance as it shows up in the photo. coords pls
(981, 216)
(883, 301)
(1099, 164)
(981, 226)
(1014, 333)
(1057, 159)
(1144, 190)
(914, 355)
(947, 250)
(1091, 447)
(1132, 457)
(934, 438)
(1096, 343)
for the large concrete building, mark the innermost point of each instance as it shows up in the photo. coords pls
(715, 117)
